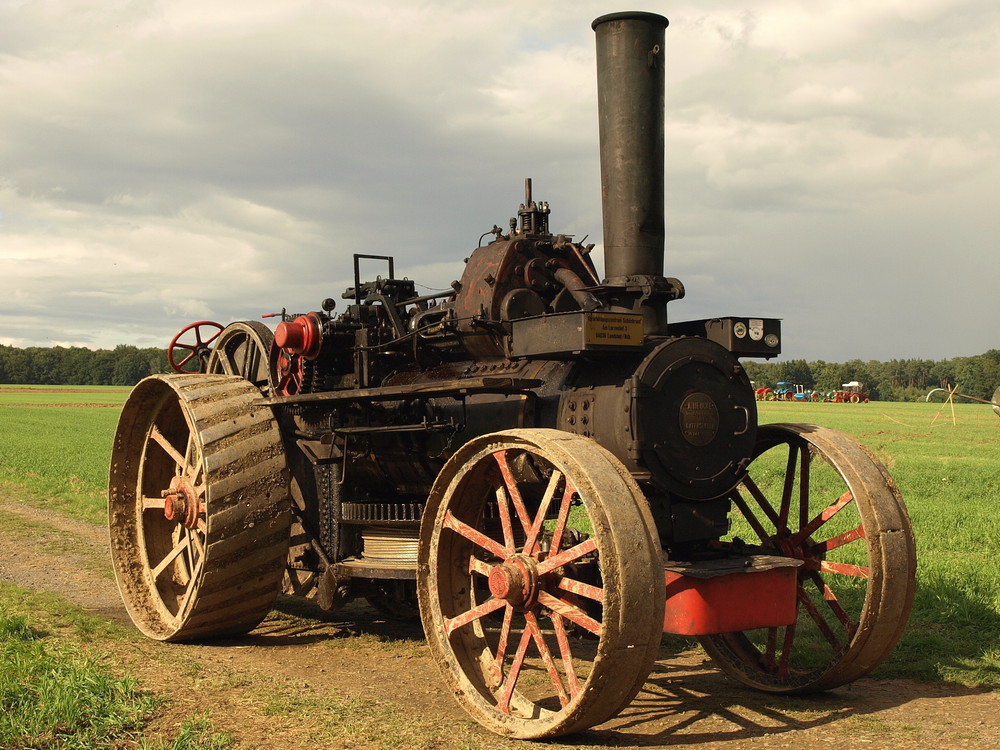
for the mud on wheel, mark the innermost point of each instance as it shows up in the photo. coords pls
(198, 506)
(816, 495)
(540, 582)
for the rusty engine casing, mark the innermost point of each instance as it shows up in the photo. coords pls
(374, 399)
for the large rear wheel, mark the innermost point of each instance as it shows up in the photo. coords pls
(816, 495)
(540, 582)
(198, 506)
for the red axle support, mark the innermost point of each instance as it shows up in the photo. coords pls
(761, 594)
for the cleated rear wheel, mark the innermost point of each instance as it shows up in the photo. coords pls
(198, 507)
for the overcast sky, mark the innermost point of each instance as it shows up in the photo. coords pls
(832, 164)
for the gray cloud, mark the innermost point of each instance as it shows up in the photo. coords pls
(164, 162)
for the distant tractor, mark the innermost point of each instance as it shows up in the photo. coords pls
(849, 393)
(786, 391)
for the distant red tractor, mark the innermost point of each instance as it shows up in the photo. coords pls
(850, 393)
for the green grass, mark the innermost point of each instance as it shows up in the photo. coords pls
(59, 690)
(67, 394)
(58, 457)
(948, 473)
(54, 695)
(194, 734)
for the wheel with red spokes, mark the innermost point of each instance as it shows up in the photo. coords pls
(198, 506)
(540, 582)
(817, 495)
(196, 359)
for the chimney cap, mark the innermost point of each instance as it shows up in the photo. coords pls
(630, 15)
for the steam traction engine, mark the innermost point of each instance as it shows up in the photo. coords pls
(537, 460)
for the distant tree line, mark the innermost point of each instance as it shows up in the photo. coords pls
(58, 365)
(895, 380)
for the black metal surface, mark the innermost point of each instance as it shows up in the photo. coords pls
(630, 90)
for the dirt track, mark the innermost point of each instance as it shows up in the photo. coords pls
(380, 676)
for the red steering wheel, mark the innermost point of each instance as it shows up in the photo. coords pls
(197, 352)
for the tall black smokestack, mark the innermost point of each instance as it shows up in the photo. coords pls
(630, 73)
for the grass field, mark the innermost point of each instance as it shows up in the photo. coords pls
(947, 465)
(949, 474)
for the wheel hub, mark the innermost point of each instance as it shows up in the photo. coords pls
(180, 502)
(515, 581)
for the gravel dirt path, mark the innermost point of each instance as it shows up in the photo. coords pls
(308, 679)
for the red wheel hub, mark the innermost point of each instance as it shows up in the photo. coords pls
(181, 502)
(515, 581)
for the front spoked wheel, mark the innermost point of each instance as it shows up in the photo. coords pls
(816, 495)
(540, 582)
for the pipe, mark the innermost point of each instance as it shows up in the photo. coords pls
(630, 75)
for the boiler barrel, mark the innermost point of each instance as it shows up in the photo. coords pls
(630, 75)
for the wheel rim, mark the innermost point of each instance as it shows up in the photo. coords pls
(198, 516)
(816, 495)
(243, 349)
(540, 626)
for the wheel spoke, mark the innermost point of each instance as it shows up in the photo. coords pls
(771, 648)
(546, 656)
(567, 556)
(514, 673)
(804, 464)
(189, 598)
(845, 569)
(781, 523)
(513, 490)
(543, 509)
(825, 515)
(508, 532)
(562, 637)
(153, 503)
(786, 650)
(501, 654)
(571, 612)
(751, 518)
(476, 537)
(831, 599)
(196, 540)
(817, 617)
(162, 441)
(562, 518)
(478, 566)
(762, 501)
(580, 588)
(821, 548)
(179, 547)
(490, 605)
